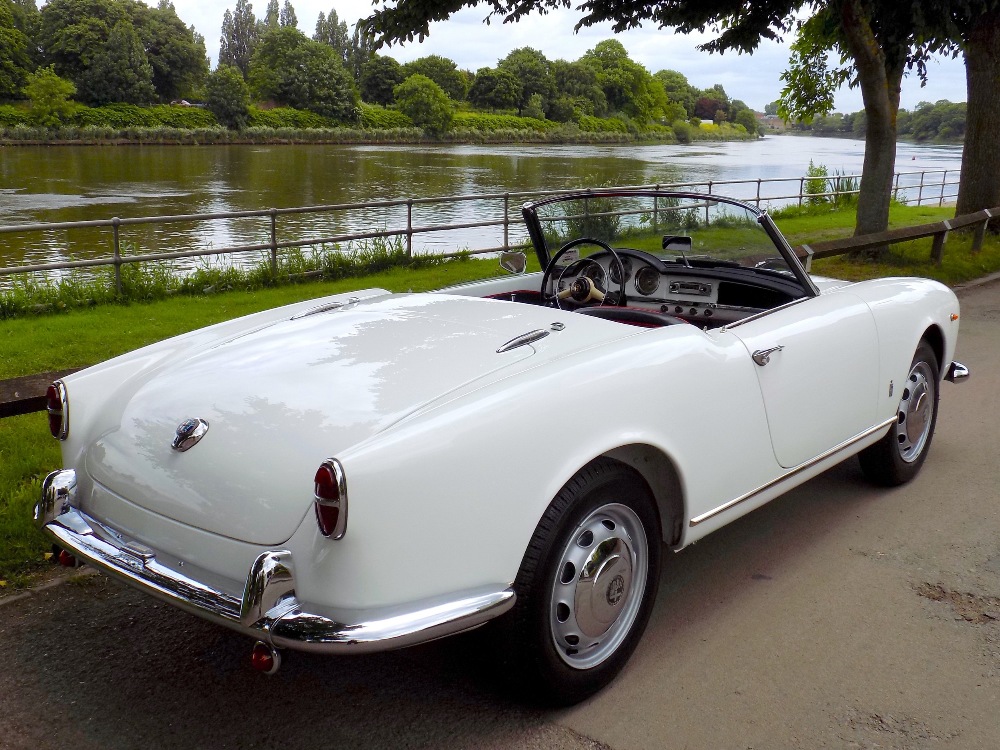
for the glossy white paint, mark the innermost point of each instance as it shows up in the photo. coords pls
(452, 451)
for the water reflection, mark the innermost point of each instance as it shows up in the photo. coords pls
(46, 184)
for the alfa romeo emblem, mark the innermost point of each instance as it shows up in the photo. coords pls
(189, 432)
(615, 590)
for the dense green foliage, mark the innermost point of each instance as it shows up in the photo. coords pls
(124, 52)
(940, 121)
(425, 103)
(228, 97)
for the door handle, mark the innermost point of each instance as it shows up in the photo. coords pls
(763, 356)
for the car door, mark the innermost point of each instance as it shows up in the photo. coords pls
(817, 367)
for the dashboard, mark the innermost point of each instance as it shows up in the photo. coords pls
(710, 293)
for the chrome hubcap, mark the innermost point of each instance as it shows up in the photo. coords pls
(598, 586)
(916, 409)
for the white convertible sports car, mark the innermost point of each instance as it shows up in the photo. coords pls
(373, 470)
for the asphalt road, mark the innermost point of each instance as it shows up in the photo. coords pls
(838, 616)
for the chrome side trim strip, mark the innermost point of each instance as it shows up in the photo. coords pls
(269, 610)
(793, 472)
(761, 314)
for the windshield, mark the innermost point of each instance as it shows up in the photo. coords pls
(689, 230)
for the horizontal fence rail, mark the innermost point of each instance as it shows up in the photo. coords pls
(409, 220)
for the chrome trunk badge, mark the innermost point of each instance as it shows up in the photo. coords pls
(189, 432)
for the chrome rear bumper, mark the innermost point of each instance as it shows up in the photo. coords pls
(957, 373)
(268, 609)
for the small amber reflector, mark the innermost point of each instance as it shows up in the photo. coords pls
(262, 658)
(954, 317)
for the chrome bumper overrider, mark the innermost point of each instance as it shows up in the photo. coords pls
(957, 373)
(268, 609)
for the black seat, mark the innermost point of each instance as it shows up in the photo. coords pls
(648, 318)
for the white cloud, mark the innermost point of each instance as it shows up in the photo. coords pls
(472, 44)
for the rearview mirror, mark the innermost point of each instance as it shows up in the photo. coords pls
(513, 261)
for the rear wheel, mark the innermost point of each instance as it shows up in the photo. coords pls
(898, 456)
(586, 586)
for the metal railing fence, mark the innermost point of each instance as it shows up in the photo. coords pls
(502, 230)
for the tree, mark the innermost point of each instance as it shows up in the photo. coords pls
(877, 39)
(772, 108)
(379, 76)
(228, 97)
(175, 52)
(534, 72)
(239, 37)
(120, 72)
(292, 69)
(331, 30)
(272, 17)
(628, 86)
(443, 72)
(49, 96)
(72, 33)
(14, 59)
(495, 89)
(748, 120)
(426, 103)
(678, 90)
(578, 82)
(974, 25)
(288, 17)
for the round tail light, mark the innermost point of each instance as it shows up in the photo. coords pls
(57, 405)
(330, 490)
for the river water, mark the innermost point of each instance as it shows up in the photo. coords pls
(75, 183)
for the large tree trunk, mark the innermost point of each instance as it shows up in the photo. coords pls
(879, 79)
(979, 185)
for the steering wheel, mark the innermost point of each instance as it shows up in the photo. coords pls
(583, 289)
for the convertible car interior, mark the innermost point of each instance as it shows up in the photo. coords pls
(652, 259)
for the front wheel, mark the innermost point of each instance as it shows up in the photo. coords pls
(586, 586)
(897, 457)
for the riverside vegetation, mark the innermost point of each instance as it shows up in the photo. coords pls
(82, 323)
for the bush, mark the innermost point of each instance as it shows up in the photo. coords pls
(426, 103)
(228, 97)
(592, 124)
(682, 131)
(11, 116)
(485, 123)
(118, 116)
(172, 116)
(815, 187)
(287, 117)
(374, 117)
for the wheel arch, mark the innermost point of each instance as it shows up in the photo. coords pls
(935, 338)
(663, 479)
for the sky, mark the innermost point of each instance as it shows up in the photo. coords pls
(472, 44)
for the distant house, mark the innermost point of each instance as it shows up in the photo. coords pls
(770, 122)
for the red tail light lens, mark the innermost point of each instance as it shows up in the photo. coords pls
(57, 406)
(330, 491)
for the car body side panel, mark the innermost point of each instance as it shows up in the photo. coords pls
(821, 387)
(420, 525)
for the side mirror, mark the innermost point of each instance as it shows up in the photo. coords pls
(513, 261)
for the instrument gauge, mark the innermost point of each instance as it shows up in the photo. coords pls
(613, 268)
(647, 280)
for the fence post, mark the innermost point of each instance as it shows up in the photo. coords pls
(706, 204)
(409, 227)
(506, 221)
(115, 223)
(937, 249)
(979, 236)
(656, 210)
(895, 190)
(758, 193)
(944, 179)
(920, 192)
(802, 189)
(274, 243)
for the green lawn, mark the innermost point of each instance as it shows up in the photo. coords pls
(86, 336)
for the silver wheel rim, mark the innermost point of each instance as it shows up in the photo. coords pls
(915, 416)
(598, 587)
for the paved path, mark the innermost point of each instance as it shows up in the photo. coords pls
(839, 616)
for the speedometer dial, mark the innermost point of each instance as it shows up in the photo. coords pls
(613, 268)
(594, 272)
(647, 280)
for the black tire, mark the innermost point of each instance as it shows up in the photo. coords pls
(897, 457)
(590, 572)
